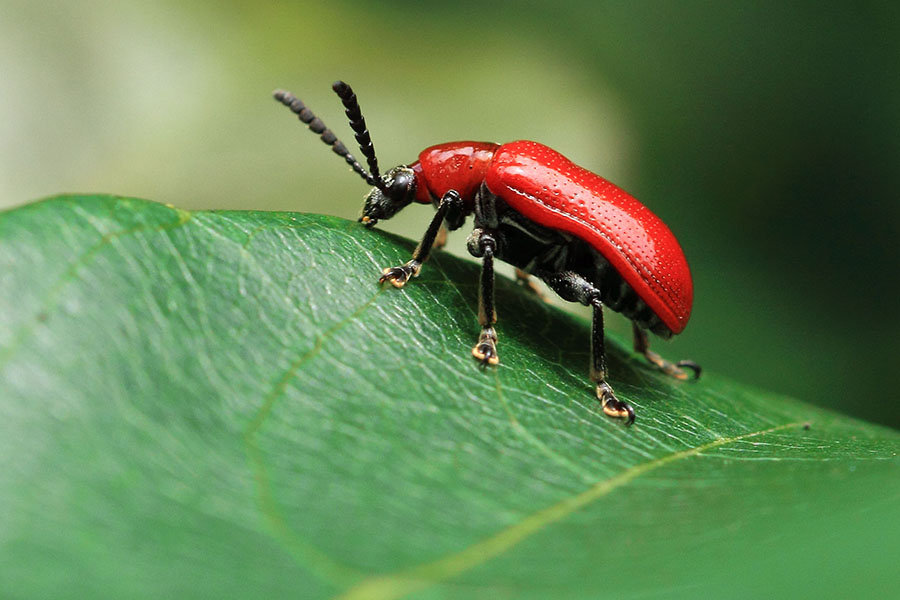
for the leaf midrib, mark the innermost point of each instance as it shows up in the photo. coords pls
(413, 579)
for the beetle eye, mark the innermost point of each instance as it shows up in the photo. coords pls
(400, 184)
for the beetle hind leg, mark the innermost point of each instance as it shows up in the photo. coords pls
(611, 405)
(575, 288)
(676, 370)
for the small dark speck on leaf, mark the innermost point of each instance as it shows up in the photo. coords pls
(807, 426)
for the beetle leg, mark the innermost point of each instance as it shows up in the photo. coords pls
(575, 288)
(398, 276)
(523, 278)
(676, 370)
(612, 406)
(486, 348)
(440, 239)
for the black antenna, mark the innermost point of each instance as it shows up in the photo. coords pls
(317, 126)
(357, 123)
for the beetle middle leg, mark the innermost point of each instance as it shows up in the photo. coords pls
(524, 279)
(440, 239)
(575, 288)
(676, 370)
(483, 244)
(398, 276)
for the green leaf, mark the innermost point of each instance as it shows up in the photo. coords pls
(226, 404)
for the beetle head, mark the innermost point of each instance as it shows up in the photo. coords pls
(384, 202)
(391, 192)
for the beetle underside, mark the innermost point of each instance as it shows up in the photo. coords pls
(546, 253)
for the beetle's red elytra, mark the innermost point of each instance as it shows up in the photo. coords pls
(590, 241)
(549, 189)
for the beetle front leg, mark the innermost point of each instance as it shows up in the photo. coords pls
(483, 244)
(676, 370)
(398, 276)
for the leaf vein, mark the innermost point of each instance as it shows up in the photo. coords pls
(416, 578)
(302, 551)
(51, 301)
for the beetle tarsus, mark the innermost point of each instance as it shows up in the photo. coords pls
(486, 348)
(689, 364)
(676, 370)
(612, 406)
(398, 276)
(671, 369)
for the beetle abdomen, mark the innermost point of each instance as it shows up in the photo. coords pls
(551, 190)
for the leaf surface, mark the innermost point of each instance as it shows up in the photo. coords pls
(226, 404)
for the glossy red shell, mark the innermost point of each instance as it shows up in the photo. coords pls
(461, 166)
(546, 187)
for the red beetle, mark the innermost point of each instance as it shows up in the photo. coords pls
(588, 240)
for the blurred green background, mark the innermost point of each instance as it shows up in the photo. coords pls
(766, 135)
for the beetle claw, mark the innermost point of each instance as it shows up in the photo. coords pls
(486, 348)
(612, 406)
(398, 276)
(675, 370)
(486, 353)
(689, 364)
